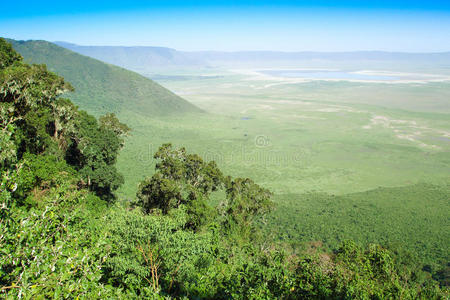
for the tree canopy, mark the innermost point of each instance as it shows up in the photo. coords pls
(36, 120)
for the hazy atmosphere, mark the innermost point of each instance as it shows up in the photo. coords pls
(225, 150)
(406, 26)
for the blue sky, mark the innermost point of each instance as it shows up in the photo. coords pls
(410, 26)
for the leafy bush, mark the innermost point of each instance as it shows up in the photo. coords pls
(42, 172)
(51, 252)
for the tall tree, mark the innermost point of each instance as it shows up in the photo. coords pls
(180, 178)
(94, 150)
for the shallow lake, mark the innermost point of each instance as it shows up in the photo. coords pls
(326, 75)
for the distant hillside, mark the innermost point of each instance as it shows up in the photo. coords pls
(145, 59)
(101, 87)
(136, 58)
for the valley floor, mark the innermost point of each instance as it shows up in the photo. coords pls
(329, 139)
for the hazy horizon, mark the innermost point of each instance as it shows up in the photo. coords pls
(231, 51)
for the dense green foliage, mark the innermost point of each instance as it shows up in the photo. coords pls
(36, 122)
(410, 218)
(94, 153)
(47, 248)
(102, 88)
(180, 179)
(61, 237)
(211, 264)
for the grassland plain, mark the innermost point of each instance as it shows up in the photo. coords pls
(372, 165)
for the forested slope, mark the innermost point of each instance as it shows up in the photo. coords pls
(101, 87)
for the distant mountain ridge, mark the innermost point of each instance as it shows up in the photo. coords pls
(134, 58)
(142, 58)
(101, 87)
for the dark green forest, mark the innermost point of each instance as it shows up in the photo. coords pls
(64, 235)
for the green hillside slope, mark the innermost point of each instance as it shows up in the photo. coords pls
(100, 87)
